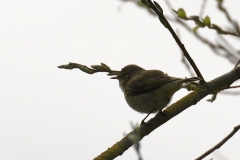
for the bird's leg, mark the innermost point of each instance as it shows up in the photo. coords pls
(142, 122)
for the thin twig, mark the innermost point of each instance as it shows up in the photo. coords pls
(224, 10)
(232, 58)
(168, 26)
(231, 93)
(228, 86)
(226, 42)
(95, 68)
(214, 47)
(187, 65)
(235, 129)
(234, 86)
(202, 8)
(237, 64)
(139, 4)
(136, 145)
(228, 45)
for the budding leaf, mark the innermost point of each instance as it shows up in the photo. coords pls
(105, 67)
(86, 70)
(66, 66)
(96, 67)
(195, 29)
(207, 21)
(181, 13)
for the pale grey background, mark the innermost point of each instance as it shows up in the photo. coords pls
(48, 113)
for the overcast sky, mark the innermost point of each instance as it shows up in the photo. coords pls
(50, 113)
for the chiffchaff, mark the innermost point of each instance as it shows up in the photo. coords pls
(148, 91)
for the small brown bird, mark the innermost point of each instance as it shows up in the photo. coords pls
(148, 91)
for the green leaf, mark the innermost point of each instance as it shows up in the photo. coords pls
(96, 67)
(158, 6)
(105, 67)
(66, 66)
(195, 29)
(207, 21)
(181, 13)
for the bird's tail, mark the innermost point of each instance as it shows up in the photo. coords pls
(187, 80)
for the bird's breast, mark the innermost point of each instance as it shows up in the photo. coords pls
(146, 102)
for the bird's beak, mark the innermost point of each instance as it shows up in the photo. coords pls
(116, 77)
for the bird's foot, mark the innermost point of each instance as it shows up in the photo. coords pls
(142, 122)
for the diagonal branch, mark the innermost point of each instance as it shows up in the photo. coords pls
(235, 129)
(162, 117)
(165, 22)
(224, 10)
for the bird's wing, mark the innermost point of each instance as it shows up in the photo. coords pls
(147, 81)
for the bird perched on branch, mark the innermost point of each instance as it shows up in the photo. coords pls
(148, 91)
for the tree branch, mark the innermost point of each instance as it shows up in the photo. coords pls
(235, 129)
(157, 8)
(95, 68)
(162, 117)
